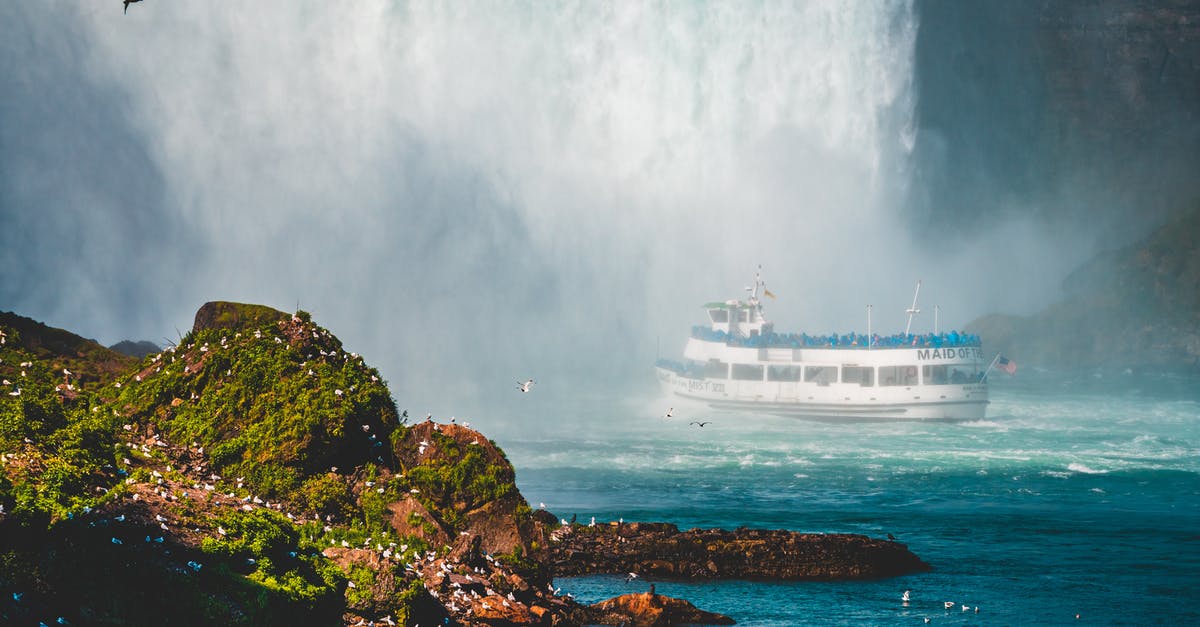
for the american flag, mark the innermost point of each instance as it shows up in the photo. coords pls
(1006, 365)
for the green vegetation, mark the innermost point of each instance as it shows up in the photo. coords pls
(457, 480)
(278, 404)
(57, 443)
(260, 404)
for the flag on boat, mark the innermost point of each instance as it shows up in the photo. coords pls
(767, 292)
(1006, 365)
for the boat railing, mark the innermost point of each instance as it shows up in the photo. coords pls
(838, 341)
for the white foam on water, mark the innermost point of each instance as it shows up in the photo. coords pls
(1080, 468)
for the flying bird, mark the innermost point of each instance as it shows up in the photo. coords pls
(129, 2)
(670, 412)
(700, 424)
(524, 387)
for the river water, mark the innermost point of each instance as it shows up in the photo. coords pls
(1077, 495)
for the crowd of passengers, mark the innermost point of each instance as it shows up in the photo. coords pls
(851, 340)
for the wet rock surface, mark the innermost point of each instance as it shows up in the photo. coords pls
(662, 550)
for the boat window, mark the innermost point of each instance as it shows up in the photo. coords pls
(900, 375)
(862, 375)
(935, 375)
(964, 373)
(783, 373)
(744, 315)
(716, 369)
(821, 375)
(746, 372)
(718, 315)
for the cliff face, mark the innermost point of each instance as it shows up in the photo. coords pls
(1138, 306)
(1084, 116)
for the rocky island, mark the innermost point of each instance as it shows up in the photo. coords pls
(257, 473)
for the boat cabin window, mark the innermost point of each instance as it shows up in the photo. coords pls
(951, 374)
(900, 375)
(716, 369)
(935, 375)
(862, 375)
(744, 315)
(964, 373)
(821, 375)
(747, 372)
(718, 315)
(783, 373)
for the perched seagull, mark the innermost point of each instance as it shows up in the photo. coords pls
(700, 424)
(524, 387)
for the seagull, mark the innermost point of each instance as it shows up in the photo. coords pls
(16, 392)
(904, 597)
(670, 412)
(700, 424)
(524, 387)
(630, 577)
(129, 2)
(948, 604)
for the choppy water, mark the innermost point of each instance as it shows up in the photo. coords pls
(1072, 497)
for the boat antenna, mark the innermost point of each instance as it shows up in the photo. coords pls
(869, 336)
(911, 311)
(936, 308)
(757, 283)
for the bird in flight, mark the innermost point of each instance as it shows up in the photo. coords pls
(670, 412)
(524, 387)
(700, 424)
(129, 2)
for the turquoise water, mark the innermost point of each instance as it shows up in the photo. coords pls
(1074, 496)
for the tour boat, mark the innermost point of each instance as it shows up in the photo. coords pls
(737, 361)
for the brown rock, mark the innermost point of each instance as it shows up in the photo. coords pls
(411, 518)
(665, 551)
(653, 610)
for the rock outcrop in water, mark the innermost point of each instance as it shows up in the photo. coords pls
(662, 550)
(653, 610)
(259, 474)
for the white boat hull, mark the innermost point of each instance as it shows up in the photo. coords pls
(833, 401)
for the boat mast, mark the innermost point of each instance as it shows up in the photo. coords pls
(935, 318)
(911, 311)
